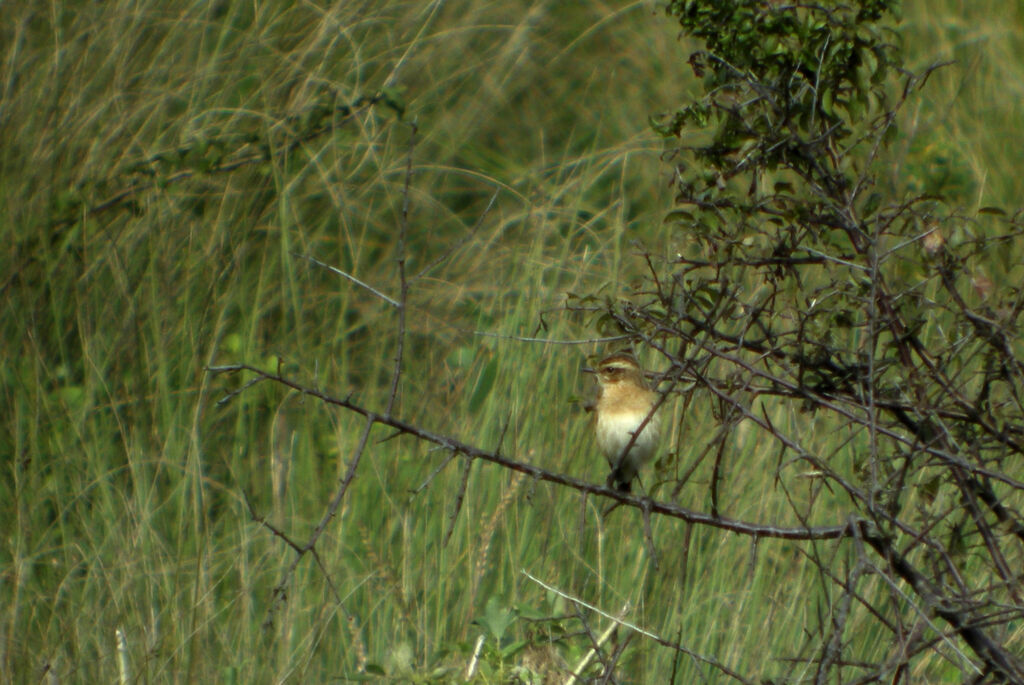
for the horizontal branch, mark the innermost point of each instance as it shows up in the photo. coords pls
(644, 503)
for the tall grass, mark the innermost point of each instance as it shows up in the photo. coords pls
(127, 489)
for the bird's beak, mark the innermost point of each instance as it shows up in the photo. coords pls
(587, 369)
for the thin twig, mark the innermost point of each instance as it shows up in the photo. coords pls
(403, 297)
(280, 590)
(336, 270)
(460, 496)
(652, 550)
(646, 633)
(459, 243)
(433, 474)
(549, 341)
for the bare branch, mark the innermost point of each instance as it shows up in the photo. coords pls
(538, 473)
(343, 274)
(646, 633)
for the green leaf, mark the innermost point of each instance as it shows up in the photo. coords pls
(892, 132)
(827, 103)
(531, 613)
(678, 215)
(496, 618)
(871, 205)
(484, 383)
(512, 647)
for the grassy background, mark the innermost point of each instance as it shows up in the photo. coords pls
(125, 485)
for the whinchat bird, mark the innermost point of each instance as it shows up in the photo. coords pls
(625, 416)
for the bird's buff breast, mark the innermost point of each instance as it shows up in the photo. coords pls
(615, 430)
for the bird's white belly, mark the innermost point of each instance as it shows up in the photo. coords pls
(616, 430)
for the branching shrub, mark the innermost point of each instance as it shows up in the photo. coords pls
(811, 285)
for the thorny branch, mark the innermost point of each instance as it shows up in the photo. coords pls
(280, 590)
(454, 445)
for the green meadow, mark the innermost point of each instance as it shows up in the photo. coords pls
(175, 181)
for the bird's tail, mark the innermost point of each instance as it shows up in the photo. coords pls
(621, 481)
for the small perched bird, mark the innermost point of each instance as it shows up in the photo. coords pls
(624, 403)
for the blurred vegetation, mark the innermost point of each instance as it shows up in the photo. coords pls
(164, 172)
